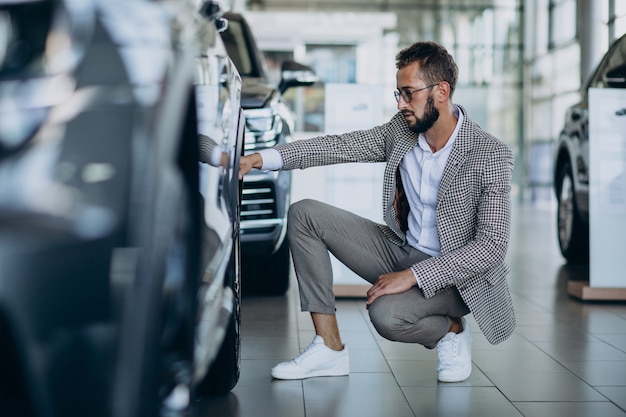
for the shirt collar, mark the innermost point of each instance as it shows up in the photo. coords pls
(459, 116)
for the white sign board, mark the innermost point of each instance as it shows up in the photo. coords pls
(353, 187)
(607, 187)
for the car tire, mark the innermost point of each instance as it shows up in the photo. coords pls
(572, 231)
(151, 359)
(224, 372)
(267, 275)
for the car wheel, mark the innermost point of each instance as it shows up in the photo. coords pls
(224, 372)
(573, 232)
(267, 275)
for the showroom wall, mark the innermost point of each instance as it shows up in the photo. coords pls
(521, 62)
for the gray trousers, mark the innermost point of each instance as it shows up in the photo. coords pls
(315, 229)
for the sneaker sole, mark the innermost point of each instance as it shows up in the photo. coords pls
(454, 378)
(295, 375)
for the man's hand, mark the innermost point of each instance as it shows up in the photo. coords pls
(248, 162)
(392, 283)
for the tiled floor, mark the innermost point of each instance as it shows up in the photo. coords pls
(566, 357)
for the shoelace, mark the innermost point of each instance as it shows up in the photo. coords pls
(448, 350)
(306, 351)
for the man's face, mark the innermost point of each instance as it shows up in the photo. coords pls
(415, 99)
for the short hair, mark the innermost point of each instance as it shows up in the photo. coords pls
(436, 64)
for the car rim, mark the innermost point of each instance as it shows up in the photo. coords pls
(566, 211)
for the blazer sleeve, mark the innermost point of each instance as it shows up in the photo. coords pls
(370, 145)
(474, 223)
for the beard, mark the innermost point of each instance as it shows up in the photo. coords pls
(431, 114)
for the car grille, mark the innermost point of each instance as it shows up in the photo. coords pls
(258, 201)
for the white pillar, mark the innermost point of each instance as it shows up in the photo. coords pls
(591, 30)
(239, 6)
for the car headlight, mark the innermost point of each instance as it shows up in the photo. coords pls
(260, 124)
(263, 127)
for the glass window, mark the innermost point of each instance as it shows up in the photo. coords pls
(333, 63)
(541, 117)
(617, 18)
(274, 60)
(562, 22)
(540, 29)
(565, 69)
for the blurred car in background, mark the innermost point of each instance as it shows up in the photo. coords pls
(571, 166)
(119, 250)
(266, 195)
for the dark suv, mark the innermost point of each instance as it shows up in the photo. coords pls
(571, 167)
(119, 250)
(266, 195)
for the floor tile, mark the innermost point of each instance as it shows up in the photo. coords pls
(362, 360)
(358, 395)
(417, 373)
(600, 373)
(516, 361)
(615, 394)
(570, 409)
(448, 401)
(537, 386)
(616, 340)
(269, 348)
(581, 350)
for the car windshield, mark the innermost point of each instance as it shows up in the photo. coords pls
(614, 59)
(236, 44)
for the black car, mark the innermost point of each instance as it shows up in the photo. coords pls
(571, 166)
(266, 195)
(119, 250)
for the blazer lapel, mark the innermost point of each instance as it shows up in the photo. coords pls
(462, 145)
(404, 143)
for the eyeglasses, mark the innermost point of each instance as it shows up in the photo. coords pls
(407, 95)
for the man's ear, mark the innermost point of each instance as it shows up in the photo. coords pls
(443, 92)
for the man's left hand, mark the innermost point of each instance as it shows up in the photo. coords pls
(392, 283)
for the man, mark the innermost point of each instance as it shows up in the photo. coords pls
(429, 267)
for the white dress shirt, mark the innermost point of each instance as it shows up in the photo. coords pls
(421, 172)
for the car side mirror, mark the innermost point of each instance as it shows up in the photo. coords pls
(294, 74)
(575, 115)
(211, 9)
(616, 77)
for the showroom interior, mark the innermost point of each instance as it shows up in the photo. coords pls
(141, 276)
(522, 63)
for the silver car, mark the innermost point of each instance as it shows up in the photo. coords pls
(119, 249)
(571, 166)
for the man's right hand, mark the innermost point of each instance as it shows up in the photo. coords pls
(248, 162)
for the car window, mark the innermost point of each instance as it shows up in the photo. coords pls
(615, 58)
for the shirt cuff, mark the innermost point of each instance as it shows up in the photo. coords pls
(216, 156)
(419, 284)
(272, 161)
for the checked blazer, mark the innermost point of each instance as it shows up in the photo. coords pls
(473, 212)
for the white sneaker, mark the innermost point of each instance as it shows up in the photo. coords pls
(316, 360)
(455, 355)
